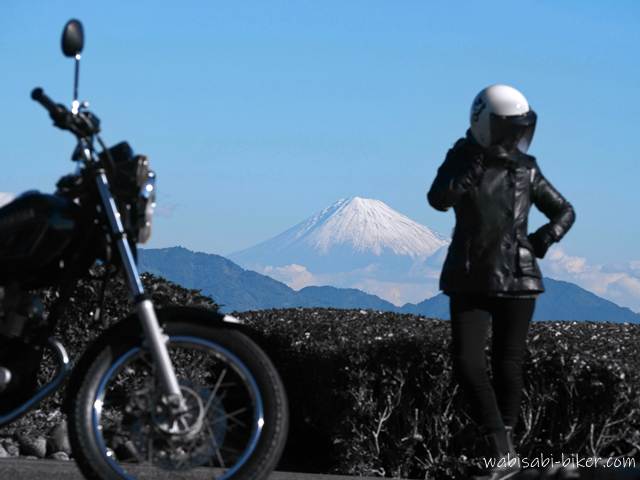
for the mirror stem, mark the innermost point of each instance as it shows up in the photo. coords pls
(75, 106)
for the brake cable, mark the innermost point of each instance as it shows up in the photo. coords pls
(97, 314)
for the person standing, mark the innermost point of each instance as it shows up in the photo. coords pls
(490, 272)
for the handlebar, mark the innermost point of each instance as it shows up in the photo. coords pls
(84, 124)
(56, 111)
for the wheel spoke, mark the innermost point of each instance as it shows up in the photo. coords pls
(216, 447)
(213, 430)
(232, 417)
(215, 390)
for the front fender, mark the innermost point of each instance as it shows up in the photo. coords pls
(202, 316)
(207, 317)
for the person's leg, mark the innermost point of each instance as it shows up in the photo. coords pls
(511, 319)
(469, 327)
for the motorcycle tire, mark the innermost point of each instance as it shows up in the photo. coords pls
(256, 461)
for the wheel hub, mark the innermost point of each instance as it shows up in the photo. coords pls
(186, 423)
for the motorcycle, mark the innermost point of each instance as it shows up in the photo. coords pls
(177, 389)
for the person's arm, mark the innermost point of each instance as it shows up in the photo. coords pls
(455, 176)
(557, 209)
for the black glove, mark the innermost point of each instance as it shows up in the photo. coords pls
(541, 240)
(473, 174)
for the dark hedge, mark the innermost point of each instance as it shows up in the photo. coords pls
(371, 392)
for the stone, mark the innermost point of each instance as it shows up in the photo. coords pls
(7, 441)
(13, 450)
(58, 439)
(59, 456)
(35, 446)
(3, 452)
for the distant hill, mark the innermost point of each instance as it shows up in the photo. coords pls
(238, 289)
(561, 301)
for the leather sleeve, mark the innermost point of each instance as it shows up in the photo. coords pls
(455, 176)
(556, 208)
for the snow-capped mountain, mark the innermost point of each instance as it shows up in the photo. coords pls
(363, 243)
(362, 224)
(5, 198)
(356, 243)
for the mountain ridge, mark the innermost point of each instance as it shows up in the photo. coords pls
(239, 289)
(235, 288)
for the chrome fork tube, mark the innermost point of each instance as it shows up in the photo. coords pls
(156, 339)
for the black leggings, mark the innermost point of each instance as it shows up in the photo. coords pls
(492, 406)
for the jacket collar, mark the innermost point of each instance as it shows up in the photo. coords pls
(471, 139)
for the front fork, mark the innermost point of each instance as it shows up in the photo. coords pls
(155, 337)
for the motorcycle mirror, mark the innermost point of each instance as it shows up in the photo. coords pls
(72, 43)
(72, 38)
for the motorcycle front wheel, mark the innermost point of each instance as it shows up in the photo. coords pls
(234, 427)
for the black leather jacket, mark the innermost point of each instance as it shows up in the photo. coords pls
(490, 251)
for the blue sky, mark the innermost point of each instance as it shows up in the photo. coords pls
(257, 114)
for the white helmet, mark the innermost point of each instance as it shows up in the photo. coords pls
(501, 116)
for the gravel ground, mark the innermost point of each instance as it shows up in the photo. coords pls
(25, 469)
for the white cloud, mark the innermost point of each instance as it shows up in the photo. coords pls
(623, 289)
(398, 292)
(619, 283)
(295, 276)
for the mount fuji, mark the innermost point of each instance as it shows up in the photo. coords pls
(5, 198)
(355, 243)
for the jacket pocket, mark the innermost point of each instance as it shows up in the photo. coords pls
(526, 262)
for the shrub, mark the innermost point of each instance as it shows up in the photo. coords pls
(371, 393)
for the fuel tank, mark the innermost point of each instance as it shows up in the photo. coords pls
(37, 231)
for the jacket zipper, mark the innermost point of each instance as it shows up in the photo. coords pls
(467, 260)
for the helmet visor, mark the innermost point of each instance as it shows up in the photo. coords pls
(513, 132)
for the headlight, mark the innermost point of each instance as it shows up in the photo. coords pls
(142, 169)
(146, 205)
